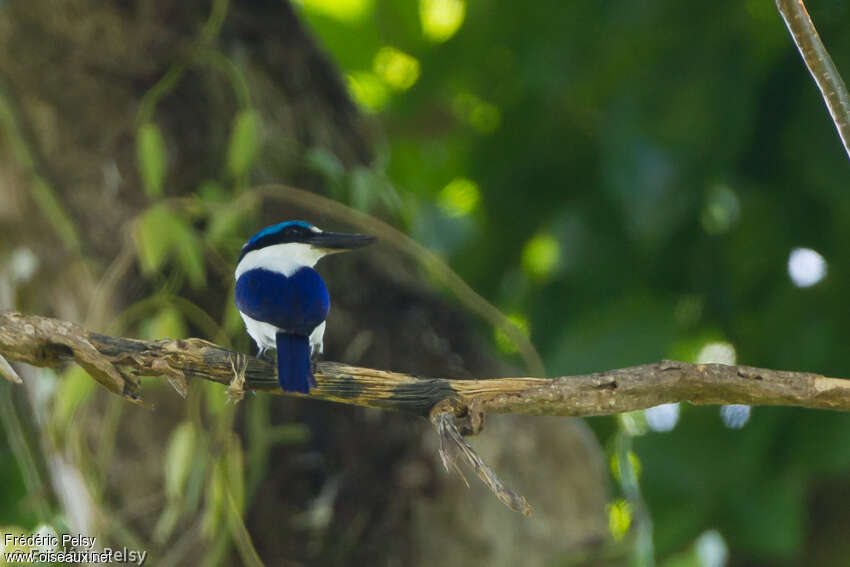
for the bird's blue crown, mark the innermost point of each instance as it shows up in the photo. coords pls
(279, 228)
(281, 233)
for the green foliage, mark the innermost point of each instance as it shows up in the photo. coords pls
(626, 213)
(162, 234)
(75, 387)
(152, 158)
(244, 142)
(179, 458)
(166, 323)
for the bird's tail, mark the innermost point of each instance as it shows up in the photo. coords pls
(293, 363)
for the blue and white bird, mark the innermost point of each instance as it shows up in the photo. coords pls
(283, 300)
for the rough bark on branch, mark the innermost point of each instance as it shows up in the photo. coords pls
(455, 407)
(118, 362)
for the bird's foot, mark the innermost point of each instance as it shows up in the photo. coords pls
(265, 355)
(315, 357)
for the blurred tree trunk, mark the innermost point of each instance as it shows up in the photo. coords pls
(73, 77)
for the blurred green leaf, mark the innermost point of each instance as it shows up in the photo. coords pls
(244, 142)
(503, 341)
(367, 90)
(232, 320)
(362, 188)
(161, 234)
(151, 157)
(166, 323)
(215, 397)
(178, 460)
(191, 255)
(620, 516)
(236, 472)
(327, 163)
(224, 222)
(156, 233)
(166, 523)
(216, 499)
(75, 387)
(211, 191)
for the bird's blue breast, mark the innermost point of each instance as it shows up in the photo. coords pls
(297, 303)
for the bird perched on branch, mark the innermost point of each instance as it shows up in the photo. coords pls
(283, 300)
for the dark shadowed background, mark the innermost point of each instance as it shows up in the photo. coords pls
(626, 181)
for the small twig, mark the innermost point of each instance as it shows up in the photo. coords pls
(453, 445)
(236, 389)
(820, 65)
(8, 372)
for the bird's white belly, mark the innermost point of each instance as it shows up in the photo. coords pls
(264, 334)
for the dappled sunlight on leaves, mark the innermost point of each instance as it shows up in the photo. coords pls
(441, 18)
(347, 11)
(397, 69)
(460, 197)
(541, 256)
(367, 90)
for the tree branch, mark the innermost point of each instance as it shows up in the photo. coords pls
(455, 407)
(820, 65)
(117, 363)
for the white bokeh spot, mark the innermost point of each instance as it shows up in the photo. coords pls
(717, 352)
(735, 416)
(711, 549)
(806, 267)
(662, 418)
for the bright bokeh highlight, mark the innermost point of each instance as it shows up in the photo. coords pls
(441, 19)
(735, 416)
(481, 115)
(662, 418)
(634, 462)
(540, 256)
(721, 211)
(367, 90)
(346, 11)
(460, 197)
(23, 264)
(717, 352)
(711, 549)
(503, 341)
(396, 68)
(806, 267)
(619, 518)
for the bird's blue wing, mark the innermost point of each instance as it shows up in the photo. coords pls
(297, 303)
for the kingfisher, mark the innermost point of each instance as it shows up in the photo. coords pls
(283, 300)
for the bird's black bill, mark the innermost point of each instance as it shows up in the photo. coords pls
(340, 241)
